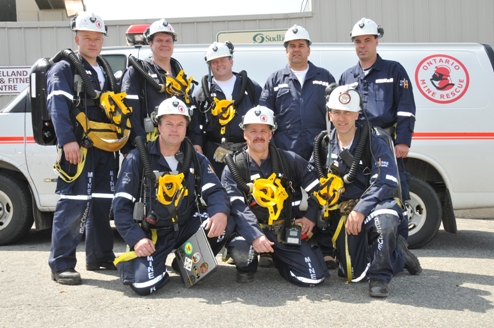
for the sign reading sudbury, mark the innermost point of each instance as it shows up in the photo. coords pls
(13, 79)
(254, 36)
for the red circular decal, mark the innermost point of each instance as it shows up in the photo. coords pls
(442, 79)
(263, 118)
(181, 109)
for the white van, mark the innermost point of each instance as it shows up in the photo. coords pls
(450, 156)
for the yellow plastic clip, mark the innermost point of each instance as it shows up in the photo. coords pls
(270, 193)
(224, 110)
(331, 189)
(170, 189)
(114, 107)
(179, 85)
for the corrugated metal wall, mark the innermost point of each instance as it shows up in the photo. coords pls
(329, 21)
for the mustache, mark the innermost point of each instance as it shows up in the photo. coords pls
(259, 139)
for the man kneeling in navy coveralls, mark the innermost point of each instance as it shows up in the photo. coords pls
(263, 214)
(368, 246)
(170, 223)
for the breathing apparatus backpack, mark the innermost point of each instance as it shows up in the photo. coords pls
(223, 111)
(171, 189)
(269, 199)
(106, 136)
(180, 85)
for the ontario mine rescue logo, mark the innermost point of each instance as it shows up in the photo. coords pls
(442, 79)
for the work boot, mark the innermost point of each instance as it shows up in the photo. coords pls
(245, 277)
(108, 265)
(378, 288)
(412, 263)
(331, 263)
(67, 277)
(265, 260)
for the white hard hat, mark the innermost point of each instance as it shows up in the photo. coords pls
(366, 26)
(296, 33)
(173, 106)
(344, 98)
(88, 21)
(218, 50)
(259, 115)
(160, 26)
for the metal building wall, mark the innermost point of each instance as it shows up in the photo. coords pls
(328, 21)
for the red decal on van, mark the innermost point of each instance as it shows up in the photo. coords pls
(442, 79)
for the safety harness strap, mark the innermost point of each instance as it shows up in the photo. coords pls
(80, 166)
(129, 256)
(104, 136)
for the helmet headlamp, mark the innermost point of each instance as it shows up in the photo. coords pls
(345, 98)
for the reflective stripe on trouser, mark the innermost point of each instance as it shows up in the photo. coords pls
(302, 265)
(146, 275)
(84, 209)
(373, 251)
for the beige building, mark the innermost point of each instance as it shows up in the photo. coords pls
(42, 32)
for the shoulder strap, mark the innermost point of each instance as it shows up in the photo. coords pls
(242, 163)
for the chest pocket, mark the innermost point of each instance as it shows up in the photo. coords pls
(282, 92)
(283, 97)
(383, 91)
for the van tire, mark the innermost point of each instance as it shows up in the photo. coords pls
(16, 214)
(424, 213)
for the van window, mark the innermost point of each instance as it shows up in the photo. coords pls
(117, 62)
(20, 104)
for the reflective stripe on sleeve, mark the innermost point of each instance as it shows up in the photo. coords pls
(207, 186)
(125, 195)
(60, 93)
(391, 177)
(312, 185)
(237, 198)
(406, 114)
(133, 97)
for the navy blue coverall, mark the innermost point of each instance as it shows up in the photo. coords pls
(301, 265)
(84, 205)
(143, 99)
(211, 127)
(147, 274)
(387, 97)
(373, 252)
(300, 111)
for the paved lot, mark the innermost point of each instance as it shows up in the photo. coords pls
(456, 289)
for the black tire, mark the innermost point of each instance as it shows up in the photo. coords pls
(16, 213)
(424, 213)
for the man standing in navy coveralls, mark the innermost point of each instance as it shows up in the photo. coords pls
(296, 96)
(84, 205)
(387, 95)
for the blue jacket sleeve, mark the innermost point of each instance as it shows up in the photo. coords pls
(245, 221)
(405, 107)
(59, 101)
(126, 192)
(131, 84)
(213, 192)
(383, 180)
